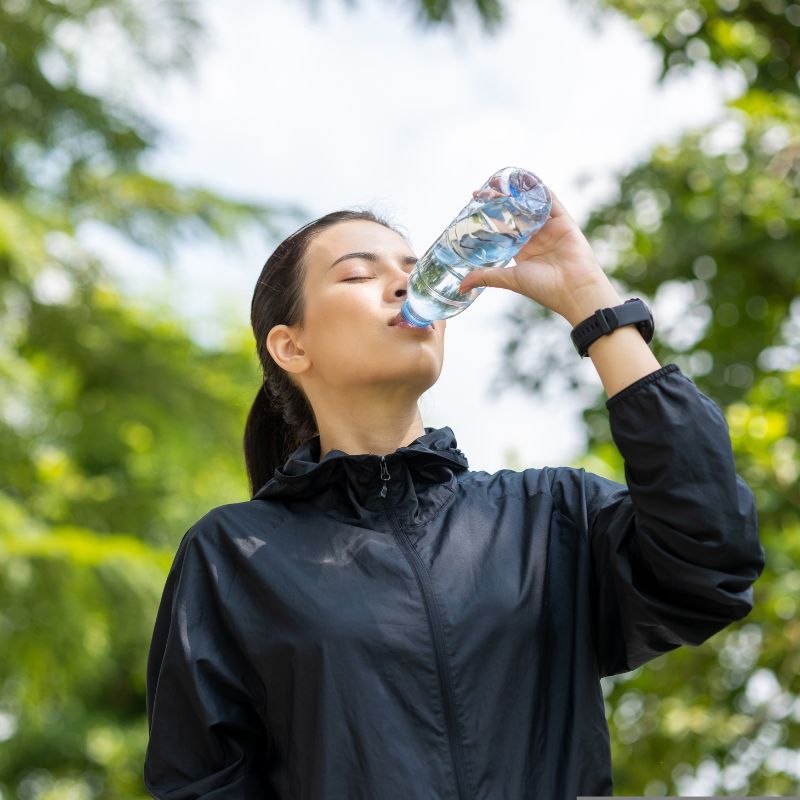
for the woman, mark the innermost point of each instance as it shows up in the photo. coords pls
(381, 622)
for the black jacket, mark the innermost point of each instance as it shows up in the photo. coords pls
(445, 641)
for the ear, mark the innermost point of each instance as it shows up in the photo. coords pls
(284, 346)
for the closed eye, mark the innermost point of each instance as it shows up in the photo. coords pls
(362, 278)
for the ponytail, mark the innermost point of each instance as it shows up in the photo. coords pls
(264, 434)
(269, 439)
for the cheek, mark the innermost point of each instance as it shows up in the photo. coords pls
(344, 340)
(350, 343)
(343, 303)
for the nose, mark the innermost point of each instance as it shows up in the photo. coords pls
(401, 290)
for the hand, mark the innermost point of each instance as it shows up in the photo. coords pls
(556, 267)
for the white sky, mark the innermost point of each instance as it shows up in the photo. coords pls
(359, 107)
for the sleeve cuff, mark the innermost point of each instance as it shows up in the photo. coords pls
(643, 381)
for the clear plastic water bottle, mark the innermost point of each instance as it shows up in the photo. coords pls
(488, 232)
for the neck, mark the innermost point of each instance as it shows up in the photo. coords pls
(379, 435)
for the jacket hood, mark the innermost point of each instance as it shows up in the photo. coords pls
(304, 474)
(347, 484)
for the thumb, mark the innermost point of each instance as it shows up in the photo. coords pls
(486, 276)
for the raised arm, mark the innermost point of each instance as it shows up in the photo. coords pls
(675, 551)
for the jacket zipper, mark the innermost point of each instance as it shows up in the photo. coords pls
(423, 579)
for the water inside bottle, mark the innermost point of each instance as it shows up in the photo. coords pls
(489, 231)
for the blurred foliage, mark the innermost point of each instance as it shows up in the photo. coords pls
(705, 231)
(432, 14)
(759, 39)
(117, 431)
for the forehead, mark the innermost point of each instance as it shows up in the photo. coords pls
(353, 235)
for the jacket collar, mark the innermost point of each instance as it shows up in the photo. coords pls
(431, 458)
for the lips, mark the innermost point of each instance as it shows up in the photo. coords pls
(398, 320)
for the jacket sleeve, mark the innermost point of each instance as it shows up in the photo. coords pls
(206, 736)
(675, 553)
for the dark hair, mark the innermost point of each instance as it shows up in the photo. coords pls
(281, 418)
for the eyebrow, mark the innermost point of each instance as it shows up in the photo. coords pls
(371, 257)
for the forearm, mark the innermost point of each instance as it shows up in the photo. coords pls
(620, 357)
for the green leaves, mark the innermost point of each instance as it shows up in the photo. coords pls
(759, 39)
(117, 430)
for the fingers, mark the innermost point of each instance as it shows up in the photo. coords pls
(498, 277)
(558, 209)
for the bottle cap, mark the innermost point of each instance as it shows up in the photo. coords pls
(411, 318)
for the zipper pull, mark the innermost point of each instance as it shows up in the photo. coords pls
(384, 476)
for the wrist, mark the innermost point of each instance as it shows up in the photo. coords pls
(586, 300)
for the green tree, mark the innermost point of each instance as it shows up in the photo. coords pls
(116, 429)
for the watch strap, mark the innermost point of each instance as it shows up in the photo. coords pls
(605, 320)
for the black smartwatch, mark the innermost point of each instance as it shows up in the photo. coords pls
(605, 320)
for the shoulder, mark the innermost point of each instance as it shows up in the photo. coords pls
(573, 490)
(232, 518)
(521, 483)
(229, 532)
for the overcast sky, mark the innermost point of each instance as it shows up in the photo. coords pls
(360, 107)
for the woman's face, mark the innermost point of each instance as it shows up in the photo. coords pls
(346, 341)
